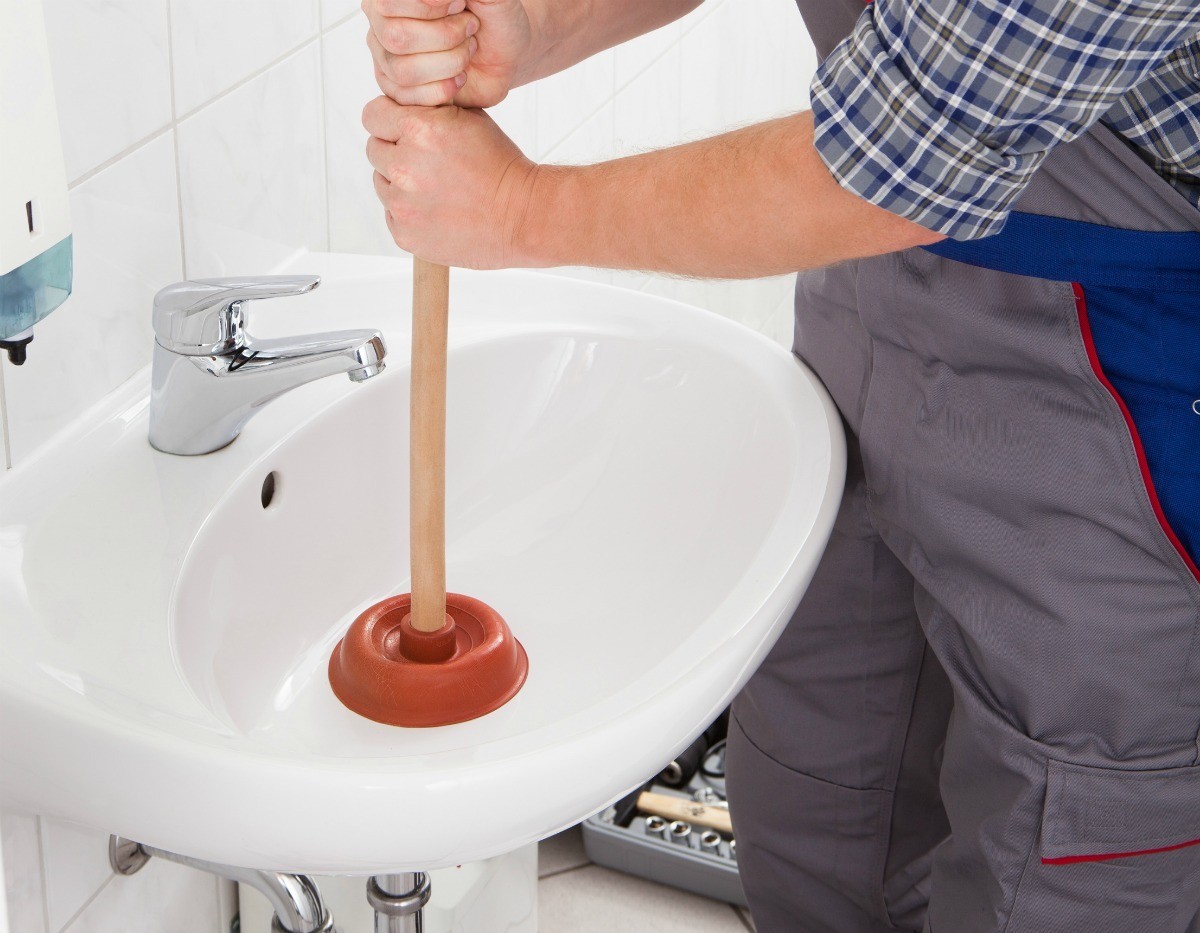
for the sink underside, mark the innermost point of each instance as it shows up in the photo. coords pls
(641, 489)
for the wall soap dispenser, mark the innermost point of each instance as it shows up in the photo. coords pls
(35, 222)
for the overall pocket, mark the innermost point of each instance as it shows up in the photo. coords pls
(1119, 850)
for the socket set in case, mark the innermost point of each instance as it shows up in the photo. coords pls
(681, 845)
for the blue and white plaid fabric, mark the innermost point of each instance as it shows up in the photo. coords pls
(941, 110)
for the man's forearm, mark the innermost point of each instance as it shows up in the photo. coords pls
(750, 203)
(571, 30)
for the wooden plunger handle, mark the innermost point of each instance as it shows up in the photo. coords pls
(427, 445)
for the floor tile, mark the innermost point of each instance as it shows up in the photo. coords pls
(597, 900)
(561, 852)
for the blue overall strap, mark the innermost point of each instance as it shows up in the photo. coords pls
(1091, 254)
(1138, 299)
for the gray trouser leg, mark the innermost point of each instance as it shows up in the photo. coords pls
(994, 468)
(833, 750)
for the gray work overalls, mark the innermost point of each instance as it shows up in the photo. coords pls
(985, 714)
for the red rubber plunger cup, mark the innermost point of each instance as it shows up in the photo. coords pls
(428, 658)
(388, 671)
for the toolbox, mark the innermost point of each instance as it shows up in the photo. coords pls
(675, 828)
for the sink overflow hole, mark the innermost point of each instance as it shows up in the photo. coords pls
(269, 487)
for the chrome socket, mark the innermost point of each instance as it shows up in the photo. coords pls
(681, 833)
(733, 849)
(710, 841)
(656, 826)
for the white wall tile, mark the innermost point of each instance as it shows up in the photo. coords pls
(742, 64)
(747, 301)
(632, 58)
(161, 897)
(356, 223)
(780, 324)
(252, 172)
(592, 141)
(217, 43)
(517, 115)
(111, 75)
(75, 861)
(5, 458)
(571, 98)
(22, 873)
(646, 112)
(334, 10)
(126, 224)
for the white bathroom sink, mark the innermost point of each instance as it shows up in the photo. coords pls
(640, 488)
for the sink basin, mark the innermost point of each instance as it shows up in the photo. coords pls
(640, 488)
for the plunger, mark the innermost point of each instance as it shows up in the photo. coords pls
(428, 658)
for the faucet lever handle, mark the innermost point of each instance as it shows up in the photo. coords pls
(207, 317)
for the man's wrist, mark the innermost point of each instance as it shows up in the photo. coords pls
(546, 32)
(538, 239)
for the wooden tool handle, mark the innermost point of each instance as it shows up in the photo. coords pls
(690, 811)
(427, 445)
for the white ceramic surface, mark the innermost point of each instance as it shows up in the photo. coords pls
(642, 489)
(112, 81)
(252, 170)
(216, 44)
(348, 80)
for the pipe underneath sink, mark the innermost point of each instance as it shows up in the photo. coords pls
(399, 901)
(295, 899)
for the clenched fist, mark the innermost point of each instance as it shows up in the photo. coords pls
(454, 187)
(430, 52)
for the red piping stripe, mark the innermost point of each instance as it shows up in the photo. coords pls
(1086, 329)
(1074, 859)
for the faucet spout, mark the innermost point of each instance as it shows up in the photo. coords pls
(210, 375)
(293, 361)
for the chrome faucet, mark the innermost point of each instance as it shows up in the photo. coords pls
(210, 376)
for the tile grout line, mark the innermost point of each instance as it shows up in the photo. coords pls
(41, 855)
(337, 24)
(113, 160)
(176, 119)
(324, 139)
(175, 144)
(562, 871)
(315, 37)
(617, 89)
(86, 904)
(677, 43)
(5, 440)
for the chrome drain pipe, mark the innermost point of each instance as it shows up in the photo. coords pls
(399, 901)
(294, 898)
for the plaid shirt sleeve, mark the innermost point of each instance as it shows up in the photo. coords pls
(941, 110)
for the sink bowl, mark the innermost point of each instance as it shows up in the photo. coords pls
(640, 488)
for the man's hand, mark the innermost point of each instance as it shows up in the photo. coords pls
(430, 52)
(454, 187)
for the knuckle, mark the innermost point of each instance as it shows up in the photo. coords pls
(422, 134)
(397, 37)
(403, 71)
(372, 114)
(454, 30)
